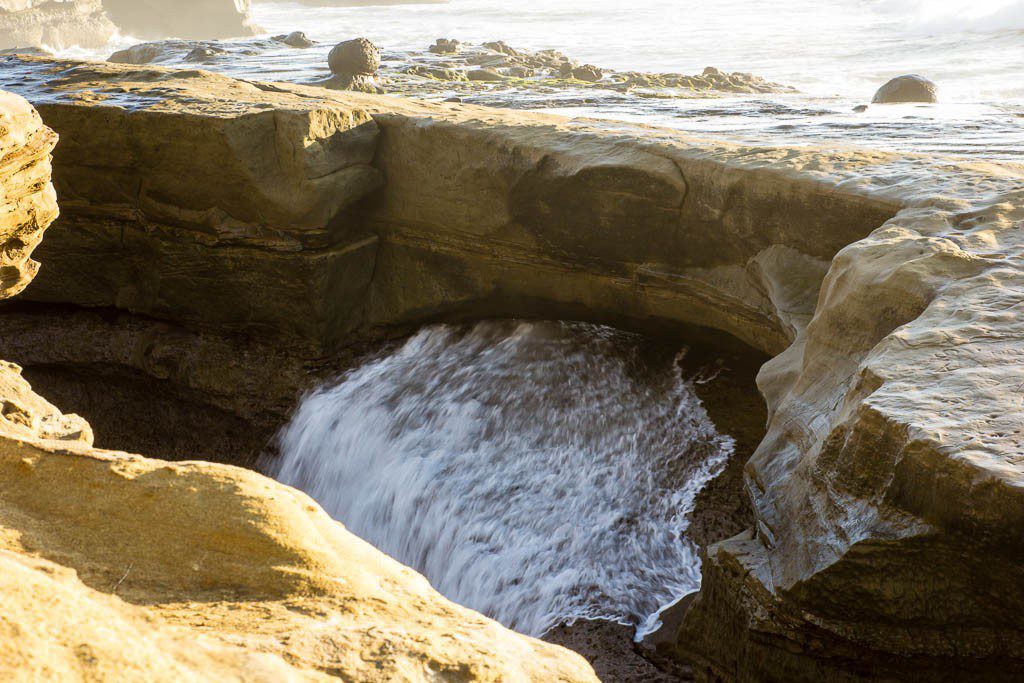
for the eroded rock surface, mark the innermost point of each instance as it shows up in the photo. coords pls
(887, 492)
(114, 566)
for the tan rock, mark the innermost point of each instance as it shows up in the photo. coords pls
(117, 567)
(27, 200)
(888, 490)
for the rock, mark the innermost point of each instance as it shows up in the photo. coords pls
(587, 72)
(204, 54)
(910, 88)
(170, 572)
(445, 46)
(144, 53)
(861, 108)
(187, 19)
(484, 75)
(712, 71)
(502, 47)
(887, 493)
(58, 25)
(295, 39)
(27, 197)
(358, 57)
(522, 72)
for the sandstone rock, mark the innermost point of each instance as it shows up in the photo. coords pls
(113, 566)
(355, 57)
(887, 492)
(911, 88)
(445, 46)
(587, 72)
(190, 19)
(502, 47)
(484, 75)
(56, 23)
(204, 54)
(143, 53)
(295, 39)
(28, 203)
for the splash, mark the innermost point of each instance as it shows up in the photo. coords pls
(537, 472)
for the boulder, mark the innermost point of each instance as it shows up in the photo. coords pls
(910, 88)
(144, 53)
(295, 39)
(588, 73)
(357, 57)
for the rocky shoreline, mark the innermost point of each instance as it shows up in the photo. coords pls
(289, 224)
(490, 73)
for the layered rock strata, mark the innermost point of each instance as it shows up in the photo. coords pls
(887, 492)
(117, 567)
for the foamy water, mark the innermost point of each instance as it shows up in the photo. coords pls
(537, 472)
(836, 53)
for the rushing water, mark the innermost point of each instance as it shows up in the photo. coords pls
(537, 472)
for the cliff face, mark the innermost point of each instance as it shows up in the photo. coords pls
(115, 567)
(57, 24)
(60, 24)
(188, 19)
(888, 490)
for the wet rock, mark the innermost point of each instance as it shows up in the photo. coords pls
(502, 47)
(204, 54)
(861, 108)
(909, 88)
(357, 57)
(484, 75)
(522, 72)
(445, 46)
(144, 53)
(295, 39)
(440, 73)
(588, 73)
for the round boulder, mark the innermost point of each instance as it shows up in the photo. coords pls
(909, 88)
(358, 57)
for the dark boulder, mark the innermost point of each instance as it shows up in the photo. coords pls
(295, 39)
(909, 88)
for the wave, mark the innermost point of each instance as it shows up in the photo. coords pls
(956, 16)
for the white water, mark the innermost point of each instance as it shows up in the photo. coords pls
(837, 53)
(537, 472)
